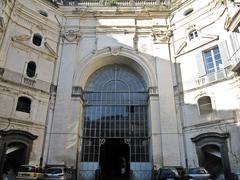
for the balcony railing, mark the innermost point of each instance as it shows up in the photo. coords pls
(122, 3)
(18, 78)
(205, 80)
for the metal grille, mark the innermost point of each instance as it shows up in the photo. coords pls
(115, 107)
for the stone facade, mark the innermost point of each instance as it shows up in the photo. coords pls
(164, 42)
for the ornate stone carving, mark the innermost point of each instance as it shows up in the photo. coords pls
(77, 91)
(24, 37)
(115, 51)
(162, 36)
(153, 91)
(72, 35)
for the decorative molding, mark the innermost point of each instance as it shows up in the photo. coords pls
(51, 50)
(153, 91)
(232, 22)
(183, 45)
(72, 35)
(17, 133)
(77, 91)
(115, 51)
(24, 37)
(210, 135)
(209, 36)
(162, 36)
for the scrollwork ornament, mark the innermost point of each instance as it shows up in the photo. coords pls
(102, 141)
(115, 51)
(162, 36)
(72, 35)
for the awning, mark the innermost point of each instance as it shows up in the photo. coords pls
(13, 148)
(213, 151)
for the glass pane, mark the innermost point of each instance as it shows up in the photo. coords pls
(116, 100)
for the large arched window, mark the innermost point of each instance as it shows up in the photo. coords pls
(24, 104)
(116, 100)
(205, 105)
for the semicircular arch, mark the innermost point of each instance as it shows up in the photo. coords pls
(91, 63)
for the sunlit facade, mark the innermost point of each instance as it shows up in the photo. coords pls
(93, 84)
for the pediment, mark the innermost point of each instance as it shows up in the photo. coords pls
(49, 49)
(25, 41)
(187, 46)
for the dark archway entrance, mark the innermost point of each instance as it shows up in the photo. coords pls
(15, 148)
(212, 160)
(114, 159)
(212, 151)
(15, 156)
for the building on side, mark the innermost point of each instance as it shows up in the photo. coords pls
(102, 85)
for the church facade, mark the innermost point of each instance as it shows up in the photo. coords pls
(97, 84)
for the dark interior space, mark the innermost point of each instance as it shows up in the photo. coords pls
(114, 159)
(213, 160)
(15, 156)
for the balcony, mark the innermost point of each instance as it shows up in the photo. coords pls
(21, 79)
(119, 3)
(205, 80)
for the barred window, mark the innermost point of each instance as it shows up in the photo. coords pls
(116, 107)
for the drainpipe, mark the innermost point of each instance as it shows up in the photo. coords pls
(50, 97)
(178, 90)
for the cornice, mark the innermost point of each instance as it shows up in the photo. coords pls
(35, 18)
(121, 12)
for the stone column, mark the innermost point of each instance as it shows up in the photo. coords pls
(168, 121)
(154, 117)
(77, 109)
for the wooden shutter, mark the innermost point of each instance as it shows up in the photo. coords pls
(235, 42)
(200, 64)
(223, 48)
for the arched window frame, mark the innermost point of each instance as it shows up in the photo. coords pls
(20, 106)
(31, 73)
(202, 106)
(37, 34)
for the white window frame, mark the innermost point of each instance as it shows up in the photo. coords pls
(214, 60)
(192, 34)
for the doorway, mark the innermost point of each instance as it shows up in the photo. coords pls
(114, 159)
(212, 151)
(14, 157)
(15, 149)
(213, 160)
